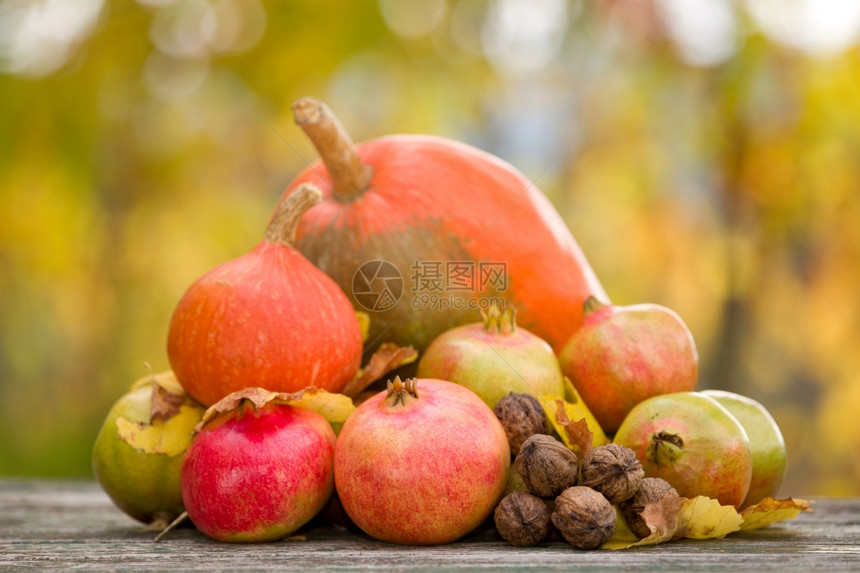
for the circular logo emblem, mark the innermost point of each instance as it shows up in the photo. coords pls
(377, 285)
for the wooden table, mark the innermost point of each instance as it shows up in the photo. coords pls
(67, 525)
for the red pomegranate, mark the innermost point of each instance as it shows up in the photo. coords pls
(455, 223)
(422, 463)
(258, 469)
(624, 355)
(268, 318)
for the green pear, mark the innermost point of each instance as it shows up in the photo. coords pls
(137, 456)
(692, 442)
(768, 447)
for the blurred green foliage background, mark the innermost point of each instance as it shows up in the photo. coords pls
(706, 155)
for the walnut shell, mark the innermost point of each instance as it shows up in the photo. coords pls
(612, 470)
(522, 417)
(546, 465)
(651, 490)
(584, 517)
(522, 519)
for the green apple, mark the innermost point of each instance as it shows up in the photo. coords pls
(768, 447)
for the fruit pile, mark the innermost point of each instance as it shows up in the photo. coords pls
(267, 417)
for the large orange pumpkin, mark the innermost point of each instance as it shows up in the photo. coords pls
(456, 225)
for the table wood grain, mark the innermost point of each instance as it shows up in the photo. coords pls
(73, 525)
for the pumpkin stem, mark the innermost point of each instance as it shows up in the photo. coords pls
(349, 174)
(282, 228)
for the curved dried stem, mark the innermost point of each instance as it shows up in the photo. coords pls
(349, 174)
(283, 227)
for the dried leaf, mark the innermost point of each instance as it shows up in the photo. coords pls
(388, 357)
(704, 518)
(258, 397)
(172, 417)
(164, 404)
(577, 409)
(579, 437)
(567, 419)
(335, 408)
(662, 518)
(169, 437)
(770, 510)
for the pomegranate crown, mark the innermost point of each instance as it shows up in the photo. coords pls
(499, 321)
(399, 391)
(592, 305)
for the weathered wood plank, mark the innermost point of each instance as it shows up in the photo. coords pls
(72, 525)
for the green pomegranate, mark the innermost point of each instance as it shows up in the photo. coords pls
(692, 442)
(768, 446)
(138, 453)
(494, 359)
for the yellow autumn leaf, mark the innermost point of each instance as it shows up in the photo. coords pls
(770, 510)
(623, 536)
(166, 380)
(704, 518)
(576, 410)
(515, 482)
(570, 393)
(335, 408)
(364, 324)
(574, 401)
(169, 437)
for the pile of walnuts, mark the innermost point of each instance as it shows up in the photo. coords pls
(575, 497)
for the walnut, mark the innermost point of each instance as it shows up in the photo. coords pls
(651, 490)
(522, 519)
(522, 417)
(546, 465)
(584, 517)
(612, 470)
